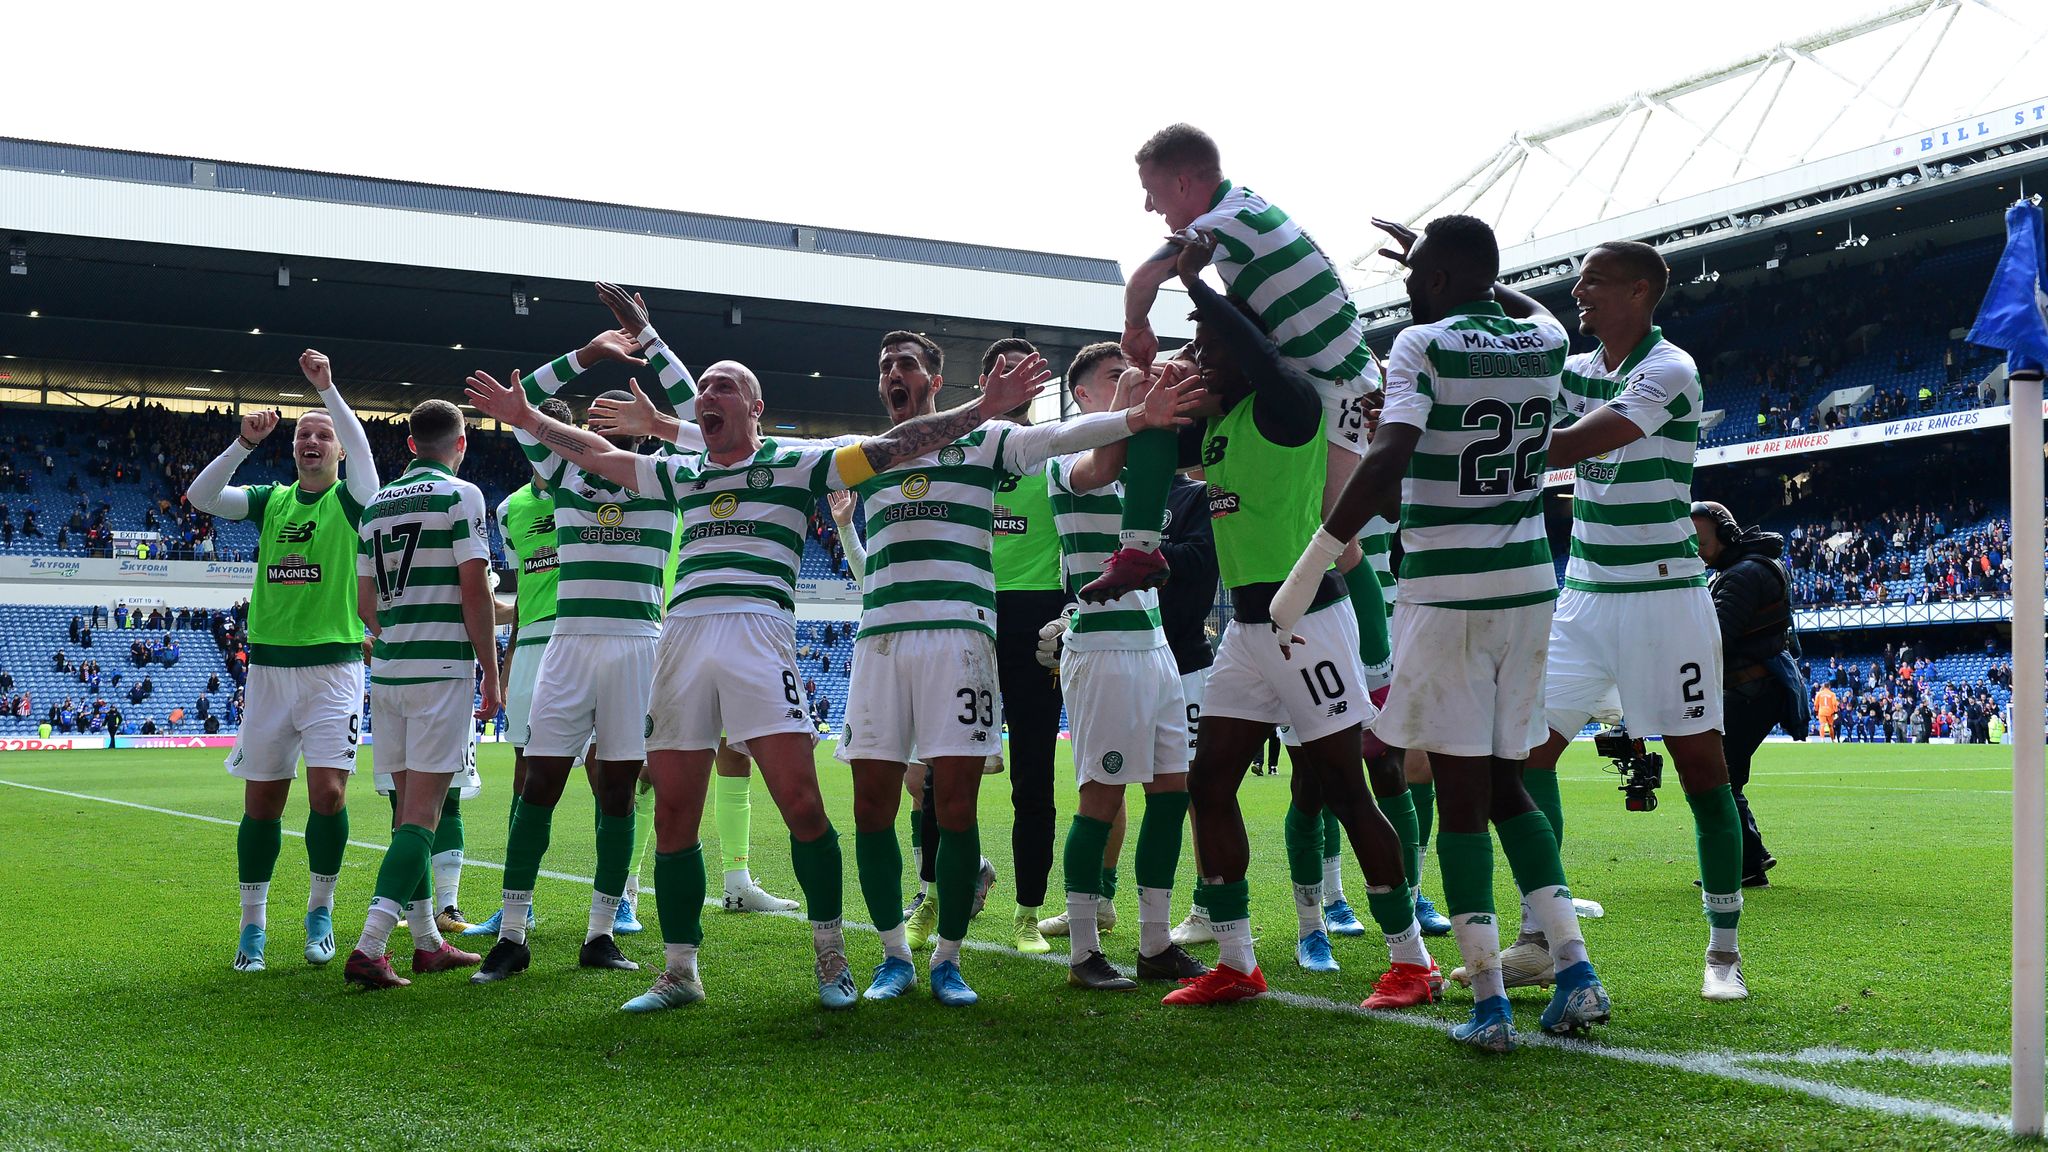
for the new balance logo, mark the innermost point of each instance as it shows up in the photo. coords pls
(297, 533)
(545, 526)
(979, 737)
(1340, 707)
(794, 714)
(1212, 452)
(1696, 711)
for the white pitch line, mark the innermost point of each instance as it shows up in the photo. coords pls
(1721, 1065)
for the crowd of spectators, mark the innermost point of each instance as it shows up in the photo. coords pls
(1788, 340)
(1916, 557)
(155, 643)
(1896, 699)
(159, 452)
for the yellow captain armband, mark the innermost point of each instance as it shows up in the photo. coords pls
(853, 465)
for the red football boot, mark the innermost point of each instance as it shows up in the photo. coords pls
(1127, 570)
(1220, 985)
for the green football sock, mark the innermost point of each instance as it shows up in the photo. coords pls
(1087, 837)
(405, 864)
(958, 870)
(1424, 794)
(448, 833)
(1400, 812)
(1226, 902)
(1159, 838)
(1531, 850)
(1393, 910)
(1369, 605)
(1718, 830)
(1542, 786)
(679, 888)
(1108, 890)
(735, 818)
(257, 844)
(1333, 833)
(425, 887)
(1303, 834)
(531, 828)
(614, 853)
(1149, 459)
(819, 872)
(878, 858)
(326, 840)
(512, 815)
(1466, 859)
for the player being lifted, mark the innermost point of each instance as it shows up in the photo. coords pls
(1266, 260)
(1461, 441)
(1262, 455)
(1635, 637)
(1128, 717)
(924, 680)
(727, 660)
(597, 669)
(305, 689)
(423, 586)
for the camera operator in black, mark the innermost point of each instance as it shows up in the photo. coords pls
(1760, 683)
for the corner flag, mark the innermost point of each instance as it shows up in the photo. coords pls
(2014, 316)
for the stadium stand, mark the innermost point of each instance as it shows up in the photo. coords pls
(33, 637)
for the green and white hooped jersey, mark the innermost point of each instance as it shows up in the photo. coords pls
(929, 526)
(1632, 507)
(527, 519)
(1266, 260)
(743, 524)
(302, 611)
(1088, 523)
(1376, 542)
(612, 544)
(415, 536)
(1482, 388)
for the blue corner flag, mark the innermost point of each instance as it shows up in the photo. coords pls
(2014, 316)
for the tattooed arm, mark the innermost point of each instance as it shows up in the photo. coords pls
(543, 435)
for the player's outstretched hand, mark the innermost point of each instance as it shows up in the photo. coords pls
(257, 425)
(318, 371)
(507, 405)
(1168, 402)
(1008, 389)
(635, 417)
(617, 346)
(1402, 234)
(629, 310)
(842, 503)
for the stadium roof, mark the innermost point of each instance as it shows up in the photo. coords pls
(1902, 94)
(174, 269)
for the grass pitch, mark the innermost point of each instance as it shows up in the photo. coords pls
(1877, 962)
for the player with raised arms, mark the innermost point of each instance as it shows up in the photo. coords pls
(1128, 717)
(612, 547)
(305, 689)
(423, 588)
(1461, 442)
(924, 681)
(727, 661)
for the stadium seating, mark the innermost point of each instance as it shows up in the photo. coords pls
(29, 634)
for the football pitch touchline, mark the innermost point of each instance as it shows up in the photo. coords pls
(1722, 1064)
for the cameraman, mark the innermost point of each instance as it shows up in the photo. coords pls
(1760, 684)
